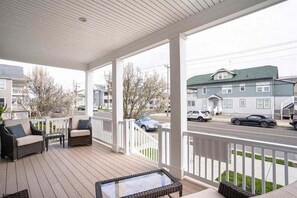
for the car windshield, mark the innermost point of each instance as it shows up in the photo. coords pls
(146, 119)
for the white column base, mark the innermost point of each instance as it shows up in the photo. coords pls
(176, 172)
(115, 148)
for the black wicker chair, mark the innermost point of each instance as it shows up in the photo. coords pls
(229, 190)
(77, 136)
(15, 148)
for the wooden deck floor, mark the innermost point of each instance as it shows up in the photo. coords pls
(72, 172)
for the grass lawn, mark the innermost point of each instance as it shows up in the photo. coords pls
(258, 182)
(267, 159)
(151, 153)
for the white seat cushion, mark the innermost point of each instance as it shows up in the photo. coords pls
(29, 139)
(208, 193)
(78, 133)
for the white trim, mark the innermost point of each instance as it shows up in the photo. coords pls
(226, 87)
(203, 90)
(4, 84)
(263, 85)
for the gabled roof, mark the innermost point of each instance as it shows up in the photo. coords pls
(255, 73)
(11, 72)
(222, 70)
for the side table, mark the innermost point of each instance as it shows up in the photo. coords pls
(47, 137)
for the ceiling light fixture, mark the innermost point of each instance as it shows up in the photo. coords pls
(82, 19)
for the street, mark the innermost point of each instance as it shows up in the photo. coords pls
(280, 134)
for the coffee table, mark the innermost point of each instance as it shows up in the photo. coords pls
(49, 136)
(148, 184)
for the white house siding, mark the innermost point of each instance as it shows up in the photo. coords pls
(250, 108)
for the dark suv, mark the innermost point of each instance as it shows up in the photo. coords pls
(294, 121)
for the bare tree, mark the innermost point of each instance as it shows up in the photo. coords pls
(45, 98)
(139, 89)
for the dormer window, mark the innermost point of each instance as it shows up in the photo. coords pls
(222, 74)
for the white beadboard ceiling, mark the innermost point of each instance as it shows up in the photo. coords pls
(48, 32)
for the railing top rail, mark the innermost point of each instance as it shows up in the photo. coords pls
(248, 142)
(62, 118)
(101, 118)
(145, 134)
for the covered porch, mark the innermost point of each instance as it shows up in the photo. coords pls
(90, 35)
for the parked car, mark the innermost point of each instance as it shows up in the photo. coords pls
(200, 115)
(294, 121)
(169, 109)
(83, 107)
(147, 124)
(254, 120)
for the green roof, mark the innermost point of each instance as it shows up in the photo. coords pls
(254, 73)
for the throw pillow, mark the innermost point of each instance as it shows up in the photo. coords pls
(83, 124)
(16, 130)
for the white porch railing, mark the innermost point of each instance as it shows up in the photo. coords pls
(213, 158)
(142, 143)
(250, 164)
(52, 125)
(102, 129)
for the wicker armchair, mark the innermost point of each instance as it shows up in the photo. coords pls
(79, 136)
(15, 148)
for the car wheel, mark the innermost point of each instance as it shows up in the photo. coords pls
(264, 124)
(200, 119)
(295, 126)
(237, 122)
(143, 127)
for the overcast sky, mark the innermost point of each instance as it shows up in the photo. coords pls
(267, 37)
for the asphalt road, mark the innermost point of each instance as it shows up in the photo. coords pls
(282, 135)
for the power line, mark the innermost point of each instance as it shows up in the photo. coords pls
(244, 51)
(245, 55)
(201, 67)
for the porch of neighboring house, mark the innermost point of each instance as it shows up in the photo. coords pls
(72, 172)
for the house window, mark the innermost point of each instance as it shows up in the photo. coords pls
(227, 89)
(204, 91)
(2, 102)
(2, 84)
(242, 103)
(263, 87)
(191, 103)
(241, 87)
(227, 103)
(263, 103)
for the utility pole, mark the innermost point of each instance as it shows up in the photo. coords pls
(75, 86)
(167, 88)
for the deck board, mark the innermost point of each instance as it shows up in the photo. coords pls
(72, 172)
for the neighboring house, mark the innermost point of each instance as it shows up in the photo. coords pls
(12, 81)
(102, 98)
(246, 91)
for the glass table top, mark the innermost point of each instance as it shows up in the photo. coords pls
(135, 185)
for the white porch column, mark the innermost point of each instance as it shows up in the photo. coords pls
(89, 93)
(117, 101)
(178, 102)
